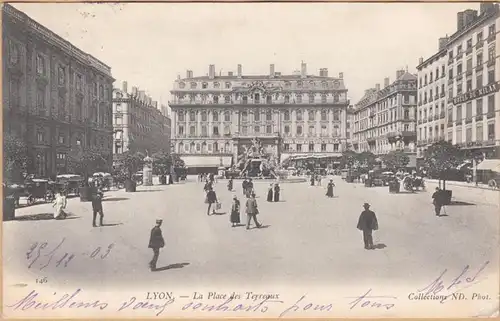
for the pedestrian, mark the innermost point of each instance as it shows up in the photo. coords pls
(437, 200)
(235, 211)
(211, 199)
(207, 186)
(156, 242)
(252, 211)
(249, 187)
(230, 184)
(367, 223)
(270, 193)
(97, 208)
(319, 180)
(60, 204)
(329, 189)
(276, 192)
(244, 185)
(312, 179)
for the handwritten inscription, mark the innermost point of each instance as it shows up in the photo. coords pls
(442, 291)
(39, 255)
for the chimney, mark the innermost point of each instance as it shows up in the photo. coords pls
(341, 75)
(239, 71)
(230, 73)
(134, 91)
(377, 87)
(460, 21)
(325, 72)
(271, 70)
(443, 42)
(124, 87)
(486, 7)
(141, 95)
(386, 82)
(420, 60)
(211, 71)
(178, 77)
(470, 15)
(399, 73)
(189, 74)
(303, 70)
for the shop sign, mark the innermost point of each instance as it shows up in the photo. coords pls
(477, 93)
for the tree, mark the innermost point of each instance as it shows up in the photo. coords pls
(396, 160)
(367, 159)
(440, 157)
(88, 161)
(349, 159)
(15, 157)
(129, 163)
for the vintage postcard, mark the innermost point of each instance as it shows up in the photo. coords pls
(259, 160)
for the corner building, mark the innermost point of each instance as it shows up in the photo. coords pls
(384, 119)
(472, 119)
(215, 118)
(56, 98)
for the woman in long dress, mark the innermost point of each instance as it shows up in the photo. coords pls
(59, 204)
(270, 193)
(230, 185)
(329, 190)
(276, 192)
(235, 211)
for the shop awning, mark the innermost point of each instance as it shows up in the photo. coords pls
(489, 164)
(206, 161)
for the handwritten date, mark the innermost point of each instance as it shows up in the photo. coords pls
(40, 256)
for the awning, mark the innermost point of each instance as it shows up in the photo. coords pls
(489, 164)
(206, 161)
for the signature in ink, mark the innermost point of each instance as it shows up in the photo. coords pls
(465, 279)
(39, 254)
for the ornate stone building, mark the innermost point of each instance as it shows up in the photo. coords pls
(384, 119)
(56, 97)
(215, 117)
(138, 122)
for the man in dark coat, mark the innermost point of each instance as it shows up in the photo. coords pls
(252, 211)
(244, 185)
(156, 242)
(437, 200)
(97, 207)
(211, 199)
(367, 223)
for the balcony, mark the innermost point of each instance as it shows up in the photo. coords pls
(491, 62)
(491, 37)
(419, 121)
(490, 114)
(430, 118)
(460, 77)
(442, 94)
(441, 115)
(436, 97)
(450, 81)
(468, 120)
(479, 117)
(424, 120)
(450, 123)
(468, 51)
(459, 122)
(479, 67)
(489, 142)
(468, 73)
(425, 101)
(430, 99)
(479, 45)
(450, 62)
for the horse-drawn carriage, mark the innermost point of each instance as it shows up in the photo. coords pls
(413, 183)
(69, 183)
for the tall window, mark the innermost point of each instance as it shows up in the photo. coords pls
(311, 147)
(181, 130)
(468, 110)
(256, 98)
(40, 65)
(216, 131)
(62, 105)
(459, 135)
(227, 130)
(204, 131)
(227, 116)
(459, 113)
(324, 115)
(245, 100)
(299, 98)
(299, 114)
(40, 99)
(336, 115)
(287, 129)
(468, 134)
(323, 99)
(287, 99)
(479, 107)
(324, 130)
(299, 130)
(256, 115)
(287, 115)
(192, 131)
(269, 99)
(227, 99)
(311, 114)
(491, 104)
(216, 99)
(491, 76)
(299, 147)
(244, 116)
(14, 93)
(61, 75)
(479, 81)
(215, 116)
(323, 147)
(244, 130)
(491, 131)
(311, 130)
(192, 116)
(203, 116)
(269, 115)
(491, 53)
(479, 132)
(311, 98)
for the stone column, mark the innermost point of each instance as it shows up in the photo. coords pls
(293, 130)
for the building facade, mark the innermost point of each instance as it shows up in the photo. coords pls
(216, 117)
(138, 123)
(432, 98)
(384, 119)
(56, 98)
(472, 118)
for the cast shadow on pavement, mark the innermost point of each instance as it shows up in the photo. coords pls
(379, 246)
(172, 266)
(115, 199)
(111, 224)
(149, 190)
(220, 213)
(455, 203)
(43, 217)
(260, 228)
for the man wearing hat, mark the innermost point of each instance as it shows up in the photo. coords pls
(367, 223)
(252, 211)
(156, 242)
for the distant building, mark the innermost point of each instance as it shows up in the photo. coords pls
(215, 117)
(138, 124)
(384, 118)
(472, 118)
(56, 98)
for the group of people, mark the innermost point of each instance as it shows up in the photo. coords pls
(315, 178)
(273, 193)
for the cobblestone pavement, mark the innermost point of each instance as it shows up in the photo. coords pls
(307, 238)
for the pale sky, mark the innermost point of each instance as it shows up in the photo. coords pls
(148, 45)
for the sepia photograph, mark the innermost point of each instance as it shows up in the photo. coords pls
(255, 160)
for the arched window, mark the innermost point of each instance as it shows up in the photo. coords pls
(181, 148)
(227, 99)
(324, 115)
(193, 85)
(269, 99)
(269, 115)
(203, 116)
(192, 116)
(287, 99)
(323, 99)
(216, 99)
(299, 130)
(227, 116)
(287, 115)
(215, 116)
(180, 115)
(299, 114)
